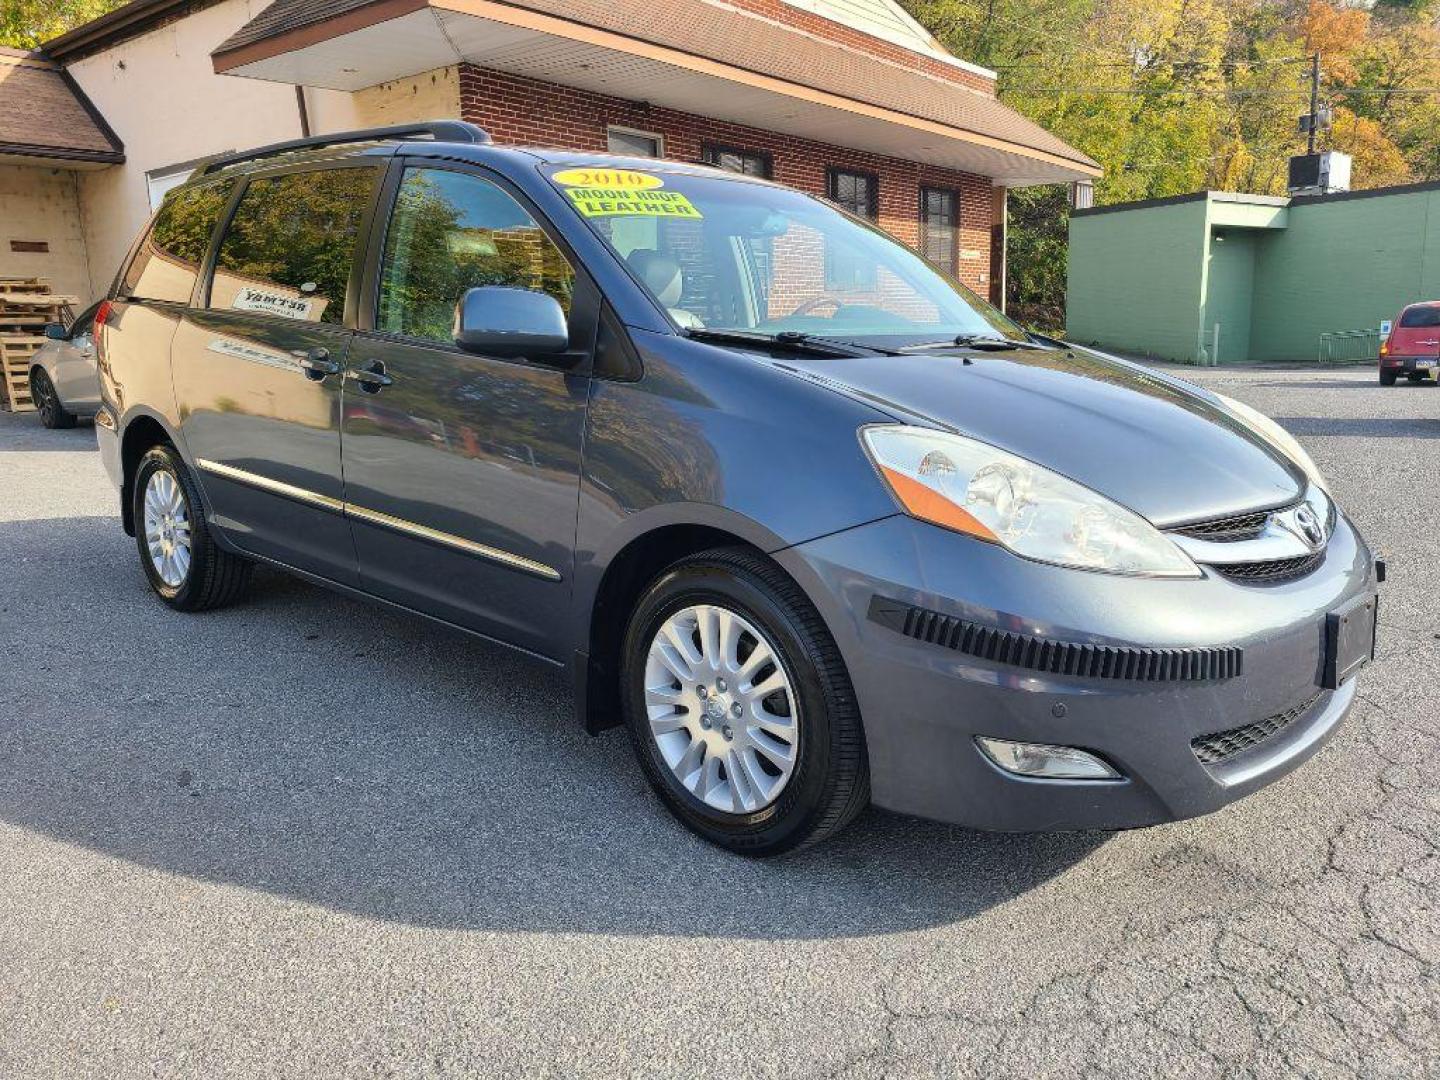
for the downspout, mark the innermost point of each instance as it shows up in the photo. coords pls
(304, 112)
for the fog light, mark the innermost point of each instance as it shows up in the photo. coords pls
(1044, 761)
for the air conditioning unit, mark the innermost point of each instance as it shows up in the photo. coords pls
(1319, 174)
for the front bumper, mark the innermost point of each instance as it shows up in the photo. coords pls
(923, 704)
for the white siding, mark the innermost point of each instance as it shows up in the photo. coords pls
(886, 20)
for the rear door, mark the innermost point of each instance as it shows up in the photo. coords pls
(462, 471)
(258, 364)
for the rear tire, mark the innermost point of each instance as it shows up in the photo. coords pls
(773, 811)
(1387, 378)
(182, 562)
(47, 402)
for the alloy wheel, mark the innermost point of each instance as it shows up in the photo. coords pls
(721, 708)
(42, 393)
(167, 528)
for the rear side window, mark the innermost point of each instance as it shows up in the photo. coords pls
(290, 244)
(451, 232)
(1420, 316)
(168, 262)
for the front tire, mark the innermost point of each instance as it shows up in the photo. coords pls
(182, 562)
(53, 413)
(739, 706)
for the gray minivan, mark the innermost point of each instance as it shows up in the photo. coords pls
(814, 522)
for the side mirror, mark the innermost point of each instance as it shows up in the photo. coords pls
(500, 320)
(55, 331)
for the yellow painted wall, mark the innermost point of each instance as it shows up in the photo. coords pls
(41, 204)
(160, 93)
(431, 95)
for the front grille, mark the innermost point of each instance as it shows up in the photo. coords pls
(1221, 746)
(1229, 530)
(1058, 657)
(1274, 570)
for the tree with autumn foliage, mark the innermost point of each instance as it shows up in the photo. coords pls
(1174, 96)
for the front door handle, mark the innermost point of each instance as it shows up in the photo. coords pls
(317, 364)
(372, 377)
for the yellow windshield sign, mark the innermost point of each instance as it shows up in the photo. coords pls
(618, 179)
(617, 202)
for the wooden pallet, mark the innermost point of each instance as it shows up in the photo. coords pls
(26, 305)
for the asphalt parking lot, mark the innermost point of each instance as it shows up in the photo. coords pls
(306, 837)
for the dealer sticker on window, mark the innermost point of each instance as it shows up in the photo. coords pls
(623, 193)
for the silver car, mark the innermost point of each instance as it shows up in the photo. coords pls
(63, 382)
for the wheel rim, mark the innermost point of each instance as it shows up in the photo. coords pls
(167, 527)
(44, 396)
(722, 708)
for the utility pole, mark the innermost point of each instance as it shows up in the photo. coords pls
(1314, 99)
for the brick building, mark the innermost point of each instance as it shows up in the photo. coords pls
(851, 99)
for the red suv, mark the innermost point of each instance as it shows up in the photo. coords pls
(1413, 347)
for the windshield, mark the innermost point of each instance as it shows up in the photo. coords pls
(721, 253)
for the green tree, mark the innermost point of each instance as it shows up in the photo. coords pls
(24, 24)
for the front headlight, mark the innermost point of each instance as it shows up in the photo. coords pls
(1277, 437)
(977, 489)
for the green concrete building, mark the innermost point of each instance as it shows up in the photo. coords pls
(1220, 277)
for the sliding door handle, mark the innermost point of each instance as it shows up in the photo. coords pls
(316, 364)
(372, 377)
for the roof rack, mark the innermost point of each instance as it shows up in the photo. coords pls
(456, 131)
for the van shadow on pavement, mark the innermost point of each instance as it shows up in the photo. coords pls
(329, 751)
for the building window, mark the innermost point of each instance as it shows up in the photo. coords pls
(857, 192)
(939, 232)
(620, 140)
(733, 159)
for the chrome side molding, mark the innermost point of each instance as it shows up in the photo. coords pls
(375, 517)
(276, 487)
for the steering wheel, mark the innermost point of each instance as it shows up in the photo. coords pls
(818, 302)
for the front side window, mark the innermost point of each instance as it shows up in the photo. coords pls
(167, 263)
(938, 233)
(290, 245)
(454, 231)
(720, 251)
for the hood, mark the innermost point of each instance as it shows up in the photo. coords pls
(1154, 443)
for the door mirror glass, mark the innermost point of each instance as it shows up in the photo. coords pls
(501, 320)
(55, 331)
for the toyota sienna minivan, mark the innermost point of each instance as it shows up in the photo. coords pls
(816, 524)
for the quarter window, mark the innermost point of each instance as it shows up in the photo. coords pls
(290, 245)
(732, 159)
(451, 232)
(167, 264)
(938, 233)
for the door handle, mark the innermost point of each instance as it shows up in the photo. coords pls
(317, 364)
(372, 377)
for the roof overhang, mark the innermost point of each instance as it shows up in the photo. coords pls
(391, 39)
(46, 120)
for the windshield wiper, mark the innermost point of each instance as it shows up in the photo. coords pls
(990, 342)
(792, 340)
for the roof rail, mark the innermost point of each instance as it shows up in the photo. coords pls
(436, 130)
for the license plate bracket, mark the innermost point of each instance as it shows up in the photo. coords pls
(1349, 639)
